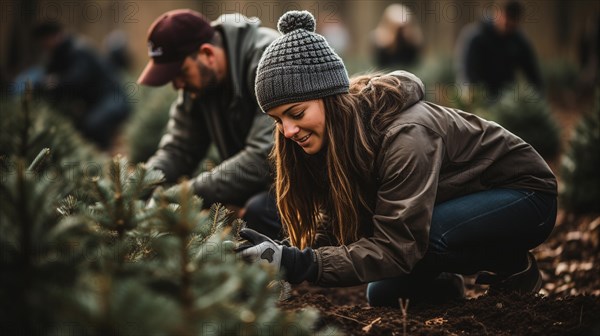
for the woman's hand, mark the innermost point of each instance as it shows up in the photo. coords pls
(298, 265)
(257, 247)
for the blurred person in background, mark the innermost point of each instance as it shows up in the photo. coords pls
(213, 66)
(397, 40)
(336, 32)
(79, 82)
(490, 53)
(116, 48)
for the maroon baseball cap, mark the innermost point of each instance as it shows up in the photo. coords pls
(171, 38)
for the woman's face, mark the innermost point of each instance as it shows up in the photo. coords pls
(302, 122)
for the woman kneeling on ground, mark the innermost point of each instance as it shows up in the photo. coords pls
(375, 185)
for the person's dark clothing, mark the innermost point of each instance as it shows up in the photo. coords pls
(88, 88)
(231, 119)
(261, 215)
(404, 54)
(493, 60)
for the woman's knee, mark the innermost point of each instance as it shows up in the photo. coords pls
(431, 287)
(544, 229)
(379, 294)
(254, 207)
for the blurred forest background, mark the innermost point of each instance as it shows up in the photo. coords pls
(555, 27)
(564, 33)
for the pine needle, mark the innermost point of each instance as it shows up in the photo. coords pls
(39, 160)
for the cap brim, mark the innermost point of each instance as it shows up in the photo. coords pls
(159, 74)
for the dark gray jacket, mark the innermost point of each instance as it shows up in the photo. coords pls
(230, 119)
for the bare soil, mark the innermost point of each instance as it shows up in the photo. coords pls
(568, 304)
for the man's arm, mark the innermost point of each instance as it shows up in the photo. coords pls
(467, 56)
(244, 174)
(473, 62)
(185, 142)
(529, 64)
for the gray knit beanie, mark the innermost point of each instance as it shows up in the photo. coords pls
(298, 66)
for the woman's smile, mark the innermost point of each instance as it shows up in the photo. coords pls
(302, 141)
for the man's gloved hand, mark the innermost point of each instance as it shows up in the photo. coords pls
(298, 265)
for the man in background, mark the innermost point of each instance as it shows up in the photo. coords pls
(213, 66)
(492, 52)
(77, 81)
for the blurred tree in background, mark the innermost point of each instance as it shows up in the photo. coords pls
(148, 122)
(580, 192)
(527, 114)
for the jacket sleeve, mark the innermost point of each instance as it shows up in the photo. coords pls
(466, 56)
(473, 62)
(529, 64)
(185, 142)
(408, 171)
(244, 174)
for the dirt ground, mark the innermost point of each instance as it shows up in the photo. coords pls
(568, 303)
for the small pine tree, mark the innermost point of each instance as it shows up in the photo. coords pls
(36, 266)
(526, 114)
(109, 264)
(439, 77)
(580, 191)
(148, 122)
(130, 268)
(27, 129)
(177, 258)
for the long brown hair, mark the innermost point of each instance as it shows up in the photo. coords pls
(337, 182)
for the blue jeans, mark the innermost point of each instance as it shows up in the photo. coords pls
(490, 230)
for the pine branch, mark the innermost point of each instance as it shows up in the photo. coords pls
(101, 194)
(117, 177)
(39, 160)
(24, 138)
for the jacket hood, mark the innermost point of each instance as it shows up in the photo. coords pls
(236, 25)
(413, 86)
(242, 55)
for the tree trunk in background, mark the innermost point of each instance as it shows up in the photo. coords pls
(19, 53)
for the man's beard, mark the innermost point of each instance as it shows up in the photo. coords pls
(210, 82)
